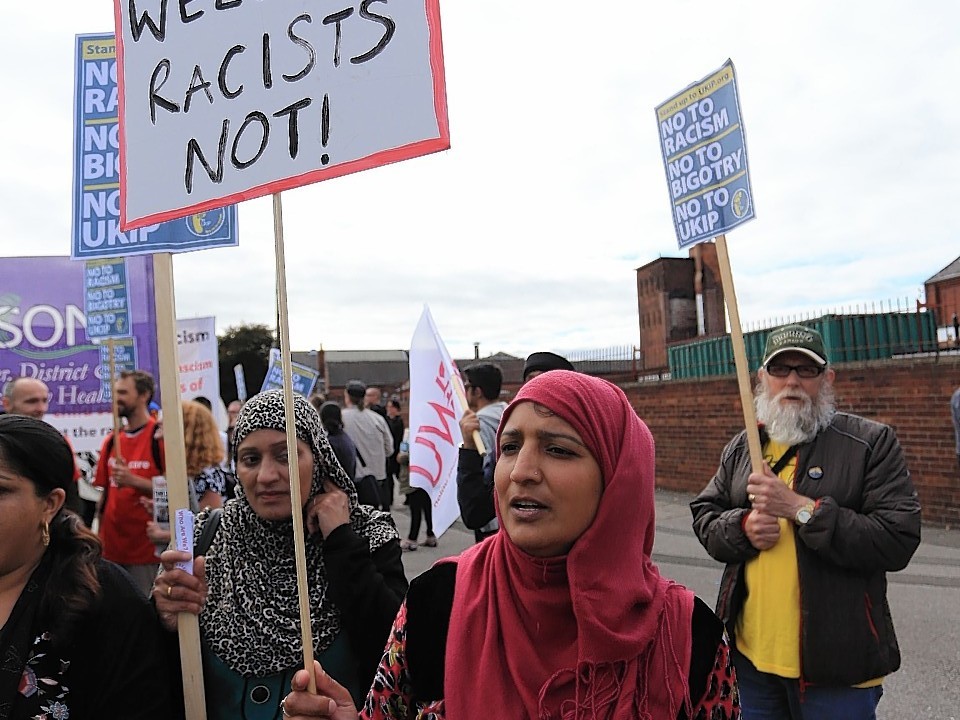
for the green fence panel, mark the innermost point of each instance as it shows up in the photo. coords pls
(847, 338)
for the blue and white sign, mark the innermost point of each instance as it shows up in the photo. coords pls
(705, 157)
(124, 359)
(106, 300)
(241, 382)
(96, 179)
(304, 378)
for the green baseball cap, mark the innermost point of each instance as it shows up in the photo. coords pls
(795, 338)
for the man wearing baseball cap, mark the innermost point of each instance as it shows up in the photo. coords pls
(808, 542)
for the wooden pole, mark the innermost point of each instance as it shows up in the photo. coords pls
(175, 461)
(111, 349)
(462, 399)
(299, 547)
(740, 357)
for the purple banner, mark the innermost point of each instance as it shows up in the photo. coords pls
(43, 328)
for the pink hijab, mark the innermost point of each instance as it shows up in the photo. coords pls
(597, 633)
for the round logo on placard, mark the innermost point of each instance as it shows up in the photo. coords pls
(740, 203)
(204, 224)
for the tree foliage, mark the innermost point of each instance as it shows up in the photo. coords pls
(249, 346)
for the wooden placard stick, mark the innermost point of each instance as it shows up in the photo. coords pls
(111, 349)
(740, 357)
(299, 547)
(175, 461)
(462, 399)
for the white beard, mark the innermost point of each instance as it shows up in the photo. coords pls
(790, 423)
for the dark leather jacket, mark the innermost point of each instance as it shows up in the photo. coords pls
(867, 523)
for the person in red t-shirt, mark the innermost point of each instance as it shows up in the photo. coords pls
(125, 471)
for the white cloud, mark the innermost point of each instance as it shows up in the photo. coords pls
(525, 235)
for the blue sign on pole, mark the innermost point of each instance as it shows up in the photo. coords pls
(304, 378)
(97, 169)
(241, 382)
(124, 359)
(705, 157)
(107, 299)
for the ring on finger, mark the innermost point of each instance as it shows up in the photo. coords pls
(283, 708)
(169, 590)
(751, 497)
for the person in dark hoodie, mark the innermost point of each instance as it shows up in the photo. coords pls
(341, 443)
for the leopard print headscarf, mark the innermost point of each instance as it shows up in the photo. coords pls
(251, 617)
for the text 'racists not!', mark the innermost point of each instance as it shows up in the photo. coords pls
(317, 43)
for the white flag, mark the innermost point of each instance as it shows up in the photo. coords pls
(434, 422)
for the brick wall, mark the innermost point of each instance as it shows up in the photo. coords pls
(692, 420)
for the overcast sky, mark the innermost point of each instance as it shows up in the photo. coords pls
(525, 235)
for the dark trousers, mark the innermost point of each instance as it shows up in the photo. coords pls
(770, 697)
(386, 493)
(420, 504)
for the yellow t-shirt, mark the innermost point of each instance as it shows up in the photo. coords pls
(768, 628)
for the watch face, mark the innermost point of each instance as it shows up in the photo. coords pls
(803, 517)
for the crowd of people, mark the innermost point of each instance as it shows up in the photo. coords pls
(558, 610)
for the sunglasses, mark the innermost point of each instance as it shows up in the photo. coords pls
(806, 372)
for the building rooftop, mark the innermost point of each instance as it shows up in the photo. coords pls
(948, 273)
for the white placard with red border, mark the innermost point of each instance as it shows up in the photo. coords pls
(226, 100)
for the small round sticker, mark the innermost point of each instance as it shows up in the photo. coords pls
(815, 472)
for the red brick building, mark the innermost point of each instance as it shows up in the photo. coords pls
(943, 298)
(678, 299)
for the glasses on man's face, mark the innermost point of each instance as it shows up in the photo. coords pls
(467, 386)
(782, 370)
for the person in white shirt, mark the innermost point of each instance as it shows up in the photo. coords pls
(374, 442)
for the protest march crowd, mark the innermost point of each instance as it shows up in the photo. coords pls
(558, 611)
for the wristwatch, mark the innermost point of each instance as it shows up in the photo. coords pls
(804, 514)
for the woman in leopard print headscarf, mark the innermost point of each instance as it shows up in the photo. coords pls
(249, 619)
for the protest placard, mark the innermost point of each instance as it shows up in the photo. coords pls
(222, 102)
(241, 382)
(161, 507)
(705, 158)
(303, 377)
(124, 360)
(96, 175)
(200, 364)
(43, 335)
(106, 301)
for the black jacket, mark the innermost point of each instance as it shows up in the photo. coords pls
(867, 523)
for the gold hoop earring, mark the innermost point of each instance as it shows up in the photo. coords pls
(45, 533)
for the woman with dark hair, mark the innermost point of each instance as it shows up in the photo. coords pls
(244, 588)
(342, 445)
(563, 613)
(78, 640)
(204, 452)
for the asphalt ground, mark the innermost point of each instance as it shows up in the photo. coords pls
(924, 600)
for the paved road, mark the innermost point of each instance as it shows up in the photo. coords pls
(924, 598)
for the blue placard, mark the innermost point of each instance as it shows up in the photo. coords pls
(303, 378)
(96, 173)
(241, 382)
(124, 359)
(705, 157)
(107, 299)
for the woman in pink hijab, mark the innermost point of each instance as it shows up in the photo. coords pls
(563, 614)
